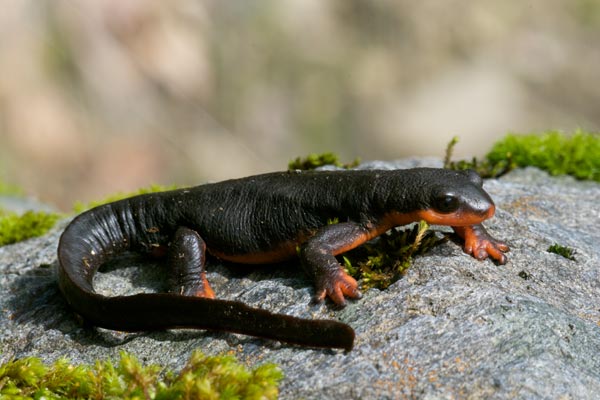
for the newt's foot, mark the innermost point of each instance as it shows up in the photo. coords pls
(337, 285)
(206, 291)
(197, 288)
(480, 244)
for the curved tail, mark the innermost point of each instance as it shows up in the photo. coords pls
(99, 234)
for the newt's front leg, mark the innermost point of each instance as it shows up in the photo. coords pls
(480, 244)
(318, 260)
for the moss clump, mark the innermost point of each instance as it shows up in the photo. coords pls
(313, 161)
(485, 168)
(382, 262)
(203, 377)
(577, 154)
(563, 251)
(15, 228)
(524, 275)
(80, 207)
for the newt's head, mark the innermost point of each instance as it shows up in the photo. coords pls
(444, 197)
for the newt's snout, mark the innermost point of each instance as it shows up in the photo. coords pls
(477, 207)
(482, 205)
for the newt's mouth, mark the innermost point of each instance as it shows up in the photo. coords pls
(459, 217)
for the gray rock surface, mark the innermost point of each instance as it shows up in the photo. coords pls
(452, 328)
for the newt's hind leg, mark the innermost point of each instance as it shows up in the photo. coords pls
(186, 257)
(319, 262)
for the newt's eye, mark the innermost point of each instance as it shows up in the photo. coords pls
(446, 203)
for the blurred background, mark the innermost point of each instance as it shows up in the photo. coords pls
(104, 96)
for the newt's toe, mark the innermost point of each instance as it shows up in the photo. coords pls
(338, 286)
(483, 248)
(495, 251)
(196, 287)
(481, 245)
(206, 290)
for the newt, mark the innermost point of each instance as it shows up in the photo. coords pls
(268, 218)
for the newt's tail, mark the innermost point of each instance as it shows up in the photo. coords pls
(97, 235)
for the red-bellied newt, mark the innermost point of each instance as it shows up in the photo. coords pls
(260, 219)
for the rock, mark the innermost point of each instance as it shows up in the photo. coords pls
(453, 327)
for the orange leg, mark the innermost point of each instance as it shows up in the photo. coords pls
(206, 289)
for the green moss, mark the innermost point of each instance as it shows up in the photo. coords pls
(15, 228)
(485, 168)
(80, 207)
(313, 161)
(557, 153)
(524, 275)
(203, 377)
(382, 262)
(563, 251)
